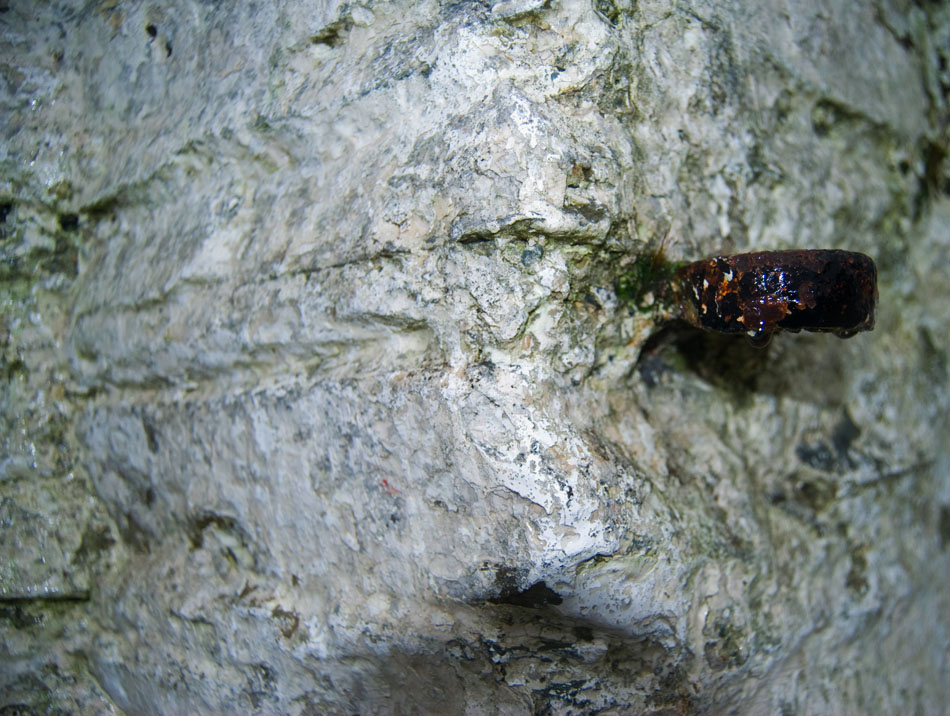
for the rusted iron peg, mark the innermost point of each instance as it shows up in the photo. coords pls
(762, 292)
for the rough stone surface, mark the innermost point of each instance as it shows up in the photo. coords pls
(318, 397)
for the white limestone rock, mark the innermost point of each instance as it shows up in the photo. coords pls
(322, 297)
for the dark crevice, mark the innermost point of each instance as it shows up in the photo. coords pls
(69, 221)
(537, 595)
(79, 595)
(943, 527)
(332, 35)
(200, 523)
(728, 362)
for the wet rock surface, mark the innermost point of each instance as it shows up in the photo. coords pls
(318, 395)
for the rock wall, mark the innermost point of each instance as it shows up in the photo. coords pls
(319, 397)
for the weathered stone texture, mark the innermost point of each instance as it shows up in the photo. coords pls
(318, 395)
